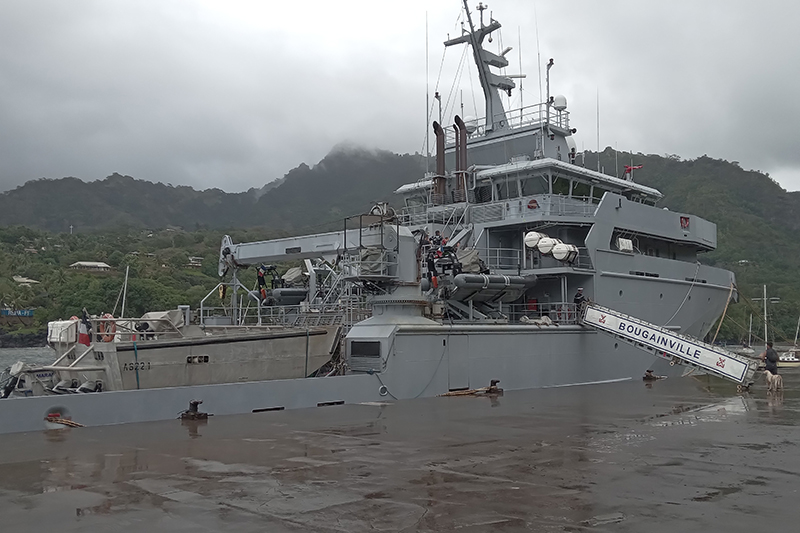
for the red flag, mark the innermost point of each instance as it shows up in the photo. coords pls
(83, 334)
(84, 330)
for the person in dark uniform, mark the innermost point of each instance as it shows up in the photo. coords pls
(579, 297)
(431, 262)
(770, 358)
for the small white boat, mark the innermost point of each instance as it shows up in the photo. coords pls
(789, 359)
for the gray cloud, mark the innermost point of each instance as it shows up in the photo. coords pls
(690, 78)
(234, 94)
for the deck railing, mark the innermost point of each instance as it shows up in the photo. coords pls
(556, 312)
(514, 258)
(280, 316)
(536, 206)
(514, 119)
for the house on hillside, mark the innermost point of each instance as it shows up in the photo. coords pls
(195, 262)
(93, 266)
(24, 281)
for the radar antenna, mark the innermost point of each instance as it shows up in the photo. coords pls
(491, 83)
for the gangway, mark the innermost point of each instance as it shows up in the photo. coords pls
(680, 349)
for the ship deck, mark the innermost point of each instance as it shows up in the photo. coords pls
(683, 455)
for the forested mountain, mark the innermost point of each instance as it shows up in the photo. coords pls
(348, 180)
(756, 220)
(117, 201)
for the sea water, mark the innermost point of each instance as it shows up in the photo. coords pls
(41, 355)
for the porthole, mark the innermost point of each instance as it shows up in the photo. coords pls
(620, 293)
(616, 345)
(661, 296)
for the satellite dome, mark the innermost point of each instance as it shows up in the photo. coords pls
(471, 123)
(560, 102)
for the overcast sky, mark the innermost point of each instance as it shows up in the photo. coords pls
(234, 93)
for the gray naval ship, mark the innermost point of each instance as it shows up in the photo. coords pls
(481, 275)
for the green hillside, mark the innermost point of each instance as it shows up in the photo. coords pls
(344, 182)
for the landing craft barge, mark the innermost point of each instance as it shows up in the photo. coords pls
(471, 281)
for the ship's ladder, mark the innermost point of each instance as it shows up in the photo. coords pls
(662, 342)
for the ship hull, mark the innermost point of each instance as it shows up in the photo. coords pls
(519, 358)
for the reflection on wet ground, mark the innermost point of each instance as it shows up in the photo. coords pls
(683, 455)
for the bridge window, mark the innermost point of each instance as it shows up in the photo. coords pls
(561, 186)
(506, 189)
(598, 192)
(536, 185)
(580, 189)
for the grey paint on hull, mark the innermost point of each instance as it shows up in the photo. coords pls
(224, 358)
(470, 357)
(119, 407)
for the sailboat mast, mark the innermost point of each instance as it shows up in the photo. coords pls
(797, 331)
(766, 339)
(124, 291)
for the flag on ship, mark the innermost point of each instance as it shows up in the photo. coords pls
(84, 330)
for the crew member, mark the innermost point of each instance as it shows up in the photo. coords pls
(431, 261)
(262, 283)
(579, 297)
(770, 358)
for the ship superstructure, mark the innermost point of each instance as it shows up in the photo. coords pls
(509, 187)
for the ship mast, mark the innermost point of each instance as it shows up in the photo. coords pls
(490, 83)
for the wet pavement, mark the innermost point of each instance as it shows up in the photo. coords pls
(683, 455)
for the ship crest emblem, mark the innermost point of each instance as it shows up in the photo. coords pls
(602, 319)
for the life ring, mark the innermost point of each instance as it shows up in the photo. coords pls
(107, 328)
(533, 204)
